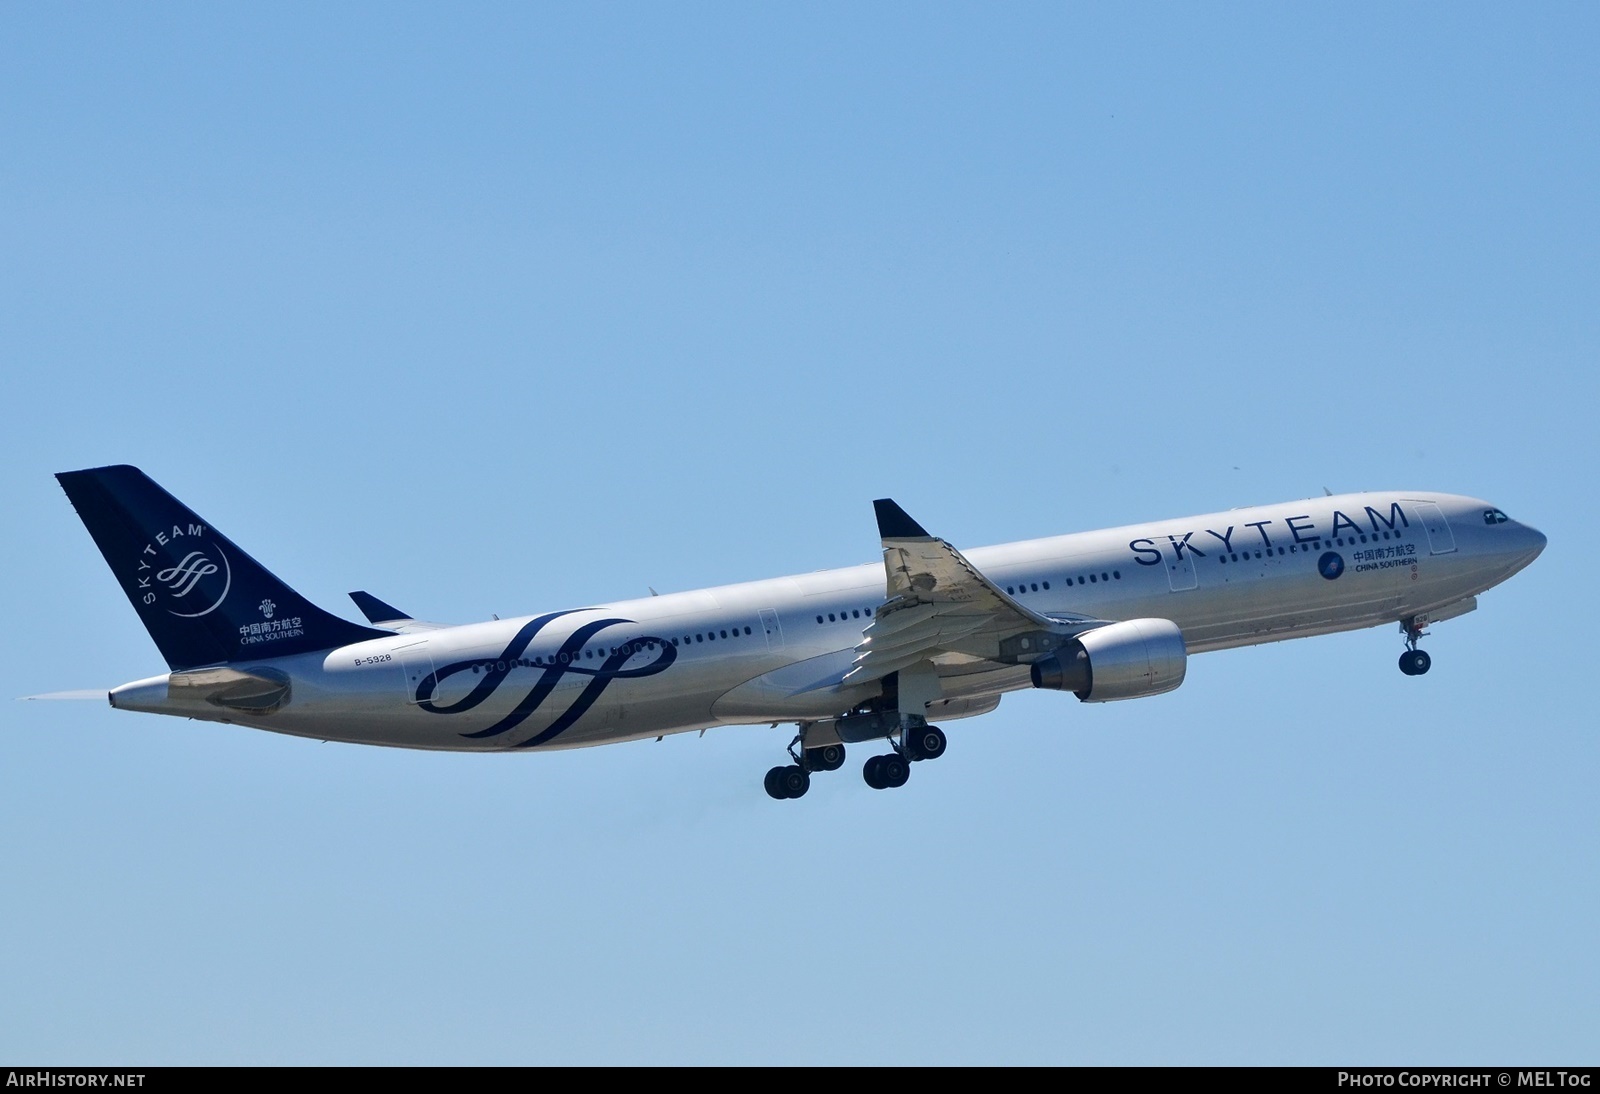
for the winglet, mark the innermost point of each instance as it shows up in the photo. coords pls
(376, 610)
(895, 523)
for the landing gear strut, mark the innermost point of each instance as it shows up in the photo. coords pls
(1413, 662)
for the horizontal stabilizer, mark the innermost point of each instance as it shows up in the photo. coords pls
(391, 618)
(377, 612)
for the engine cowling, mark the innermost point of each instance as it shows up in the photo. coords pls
(1126, 660)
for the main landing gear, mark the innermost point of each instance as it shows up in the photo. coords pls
(793, 780)
(787, 782)
(922, 742)
(1413, 662)
(925, 742)
(885, 772)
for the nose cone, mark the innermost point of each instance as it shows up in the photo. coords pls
(1536, 542)
(1530, 544)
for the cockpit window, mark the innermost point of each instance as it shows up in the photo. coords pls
(1494, 516)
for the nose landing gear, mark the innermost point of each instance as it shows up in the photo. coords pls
(1414, 662)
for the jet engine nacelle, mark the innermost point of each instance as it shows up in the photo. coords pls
(1124, 660)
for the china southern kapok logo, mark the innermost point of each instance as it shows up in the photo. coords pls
(1330, 565)
(190, 578)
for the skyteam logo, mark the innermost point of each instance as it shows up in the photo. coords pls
(182, 578)
(182, 572)
(639, 655)
(1330, 565)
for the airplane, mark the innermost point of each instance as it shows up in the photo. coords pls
(872, 654)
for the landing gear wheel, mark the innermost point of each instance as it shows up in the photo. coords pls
(1415, 662)
(927, 743)
(794, 781)
(893, 770)
(774, 784)
(872, 772)
(825, 758)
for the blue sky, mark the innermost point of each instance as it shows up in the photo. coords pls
(512, 308)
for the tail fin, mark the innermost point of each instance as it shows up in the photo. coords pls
(203, 600)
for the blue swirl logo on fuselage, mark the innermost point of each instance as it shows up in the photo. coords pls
(1330, 565)
(495, 673)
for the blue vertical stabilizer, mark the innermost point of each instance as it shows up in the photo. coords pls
(203, 600)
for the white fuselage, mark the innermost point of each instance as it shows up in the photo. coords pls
(777, 650)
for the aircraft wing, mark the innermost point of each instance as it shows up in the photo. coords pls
(940, 608)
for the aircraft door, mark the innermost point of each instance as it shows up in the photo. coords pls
(1180, 572)
(1441, 541)
(416, 665)
(769, 624)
